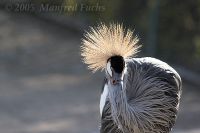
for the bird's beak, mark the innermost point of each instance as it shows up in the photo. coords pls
(116, 78)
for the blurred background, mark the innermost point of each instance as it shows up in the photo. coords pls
(44, 86)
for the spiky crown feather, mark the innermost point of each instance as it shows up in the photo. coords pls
(103, 42)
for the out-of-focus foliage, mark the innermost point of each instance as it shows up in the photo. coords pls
(179, 29)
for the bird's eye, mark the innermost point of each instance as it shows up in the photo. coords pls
(108, 68)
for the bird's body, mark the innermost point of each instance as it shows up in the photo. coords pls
(139, 95)
(152, 89)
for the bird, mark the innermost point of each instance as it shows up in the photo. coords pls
(139, 94)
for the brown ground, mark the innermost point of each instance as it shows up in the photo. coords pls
(44, 87)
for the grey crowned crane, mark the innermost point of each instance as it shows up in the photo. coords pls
(139, 95)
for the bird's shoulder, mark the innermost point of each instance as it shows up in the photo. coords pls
(155, 68)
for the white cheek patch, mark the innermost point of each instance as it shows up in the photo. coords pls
(108, 68)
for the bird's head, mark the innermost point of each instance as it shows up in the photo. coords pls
(115, 69)
(106, 48)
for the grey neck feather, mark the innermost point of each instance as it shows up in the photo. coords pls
(120, 109)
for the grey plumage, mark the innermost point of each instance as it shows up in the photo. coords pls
(140, 95)
(147, 102)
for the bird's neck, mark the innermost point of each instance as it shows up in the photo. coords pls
(118, 101)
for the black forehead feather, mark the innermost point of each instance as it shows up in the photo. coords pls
(117, 63)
